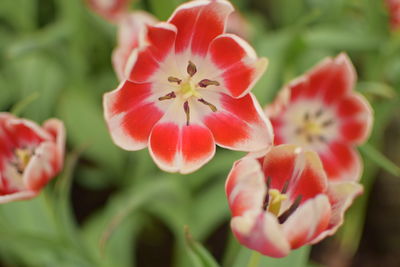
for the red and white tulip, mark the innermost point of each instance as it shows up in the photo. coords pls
(320, 111)
(132, 31)
(393, 7)
(284, 201)
(30, 156)
(189, 89)
(111, 10)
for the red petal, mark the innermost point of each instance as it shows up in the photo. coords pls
(341, 162)
(239, 124)
(145, 62)
(181, 148)
(198, 23)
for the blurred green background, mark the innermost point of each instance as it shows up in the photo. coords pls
(115, 208)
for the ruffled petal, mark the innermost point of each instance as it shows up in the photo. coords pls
(239, 124)
(198, 23)
(261, 232)
(341, 196)
(144, 63)
(130, 115)
(308, 221)
(245, 186)
(355, 118)
(341, 162)
(238, 62)
(181, 148)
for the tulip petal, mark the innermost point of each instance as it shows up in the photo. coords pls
(144, 63)
(262, 233)
(308, 221)
(179, 147)
(341, 196)
(302, 170)
(240, 66)
(198, 23)
(130, 114)
(245, 186)
(239, 124)
(341, 162)
(21, 195)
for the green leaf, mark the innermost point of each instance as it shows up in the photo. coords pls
(377, 157)
(199, 255)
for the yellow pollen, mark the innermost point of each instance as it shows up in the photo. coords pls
(23, 156)
(188, 90)
(312, 128)
(275, 202)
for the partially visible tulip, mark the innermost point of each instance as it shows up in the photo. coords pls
(30, 156)
(393, 7)
(284, 201)
(111, 10)
(132, 31)
(321, 111)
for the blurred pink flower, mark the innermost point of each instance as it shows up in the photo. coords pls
(393, 7)
(320, 111)
(109, 9)
(30, 156)
(188, 89)
(132, 31)
(284, 201)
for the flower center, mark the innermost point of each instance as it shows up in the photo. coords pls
(187, 89)
(276, 199)
(314, 125)
(22, 158)
(273, 202)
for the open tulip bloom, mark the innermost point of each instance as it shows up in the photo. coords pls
(30, 156)
(188, 89)
(320, 111)
(284, 201)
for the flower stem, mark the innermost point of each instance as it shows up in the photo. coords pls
(254, 259)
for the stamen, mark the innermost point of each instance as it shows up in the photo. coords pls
(285, 187)
(319, 113)
(285, 215)
(299, 131)
(191, 69)
(310, 138)
(212, 107)
(327, 123)
(206, 82)
(266, 198)
(306, 116)
(187, 111)
(322, 139)
(167, 96)
(174, 80)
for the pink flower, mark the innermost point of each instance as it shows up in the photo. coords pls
(393, 7)
(283, 201)
(188, 90)
(320, 111)
(30, 156)
(109, 9)
(132, 31)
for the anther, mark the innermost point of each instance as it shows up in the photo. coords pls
(187, 112)
(174, 80)
(191, 69)
(266, 198)
(285, 215)
(206, 82)
(322, 139)
(306, 116)
(319, 113)
(310, 138)
(212, 107)
(285, 187)
(327, 123)
(167, 96)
